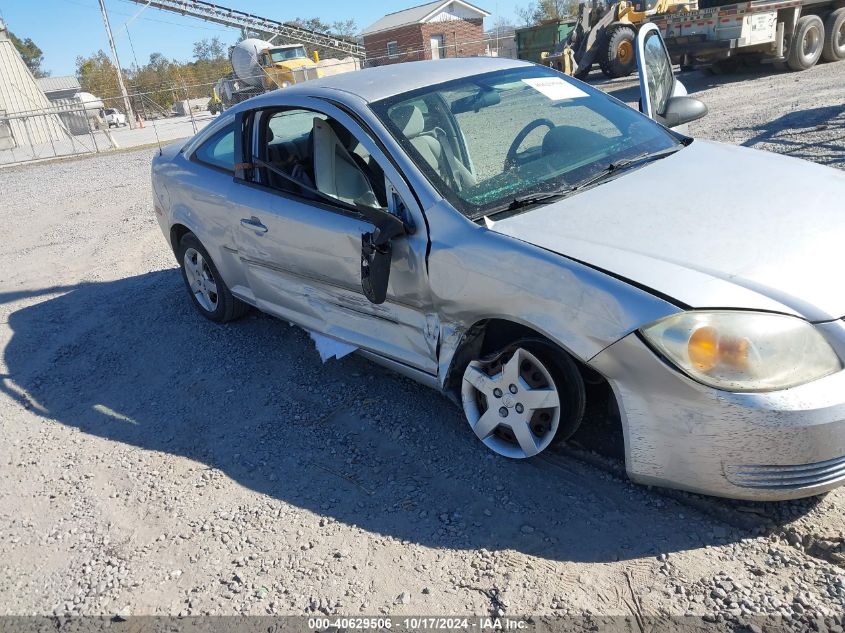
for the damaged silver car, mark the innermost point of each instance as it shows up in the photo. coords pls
(506, 234)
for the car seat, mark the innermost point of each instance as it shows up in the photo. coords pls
(439, 155)
(335, 171)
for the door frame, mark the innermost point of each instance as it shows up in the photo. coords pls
(418, 242)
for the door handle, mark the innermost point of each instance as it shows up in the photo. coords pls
(254, 224)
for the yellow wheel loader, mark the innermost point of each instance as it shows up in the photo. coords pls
(605, 34)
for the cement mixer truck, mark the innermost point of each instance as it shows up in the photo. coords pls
(259, 66)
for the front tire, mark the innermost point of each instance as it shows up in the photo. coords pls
(619, 59)
(208, 292)
(523, 399)
(805, 47)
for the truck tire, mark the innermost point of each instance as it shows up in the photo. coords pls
(834, 36)
(805, 47)
(618, 58)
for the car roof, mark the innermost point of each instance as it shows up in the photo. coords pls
(380, 82)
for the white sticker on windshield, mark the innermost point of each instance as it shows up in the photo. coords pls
(555, 88)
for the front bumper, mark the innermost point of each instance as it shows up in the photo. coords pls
(757, 446)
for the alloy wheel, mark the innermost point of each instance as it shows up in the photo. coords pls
(200, 280)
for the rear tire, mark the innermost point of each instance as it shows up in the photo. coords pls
(834, 36)
(208, 292)
(805, 47)
(619, 59)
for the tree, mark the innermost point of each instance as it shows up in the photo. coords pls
(545, 10)
(346, 29)
(502, 26)
(98, 76)
(32, 56)
(209, 50)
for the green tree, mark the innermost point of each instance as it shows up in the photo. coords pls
(209, 50)
(343, 29)
(97, 75)
(32, 56)
(546, 10)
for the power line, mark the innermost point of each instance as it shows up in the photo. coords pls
(249, 22)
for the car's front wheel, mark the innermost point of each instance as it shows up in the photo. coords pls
(209, 293)
(523, 399)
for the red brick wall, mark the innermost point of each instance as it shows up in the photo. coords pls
(462, 38)
(408, 39)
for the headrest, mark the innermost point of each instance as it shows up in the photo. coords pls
(409, 119)
(343, 135)
(568, 138)
(270, 135)
(284, 152)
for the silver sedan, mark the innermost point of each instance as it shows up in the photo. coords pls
(523, 242)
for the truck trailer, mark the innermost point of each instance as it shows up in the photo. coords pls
(793, 34)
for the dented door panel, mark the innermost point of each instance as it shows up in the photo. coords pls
(306, 268)
(477, 274)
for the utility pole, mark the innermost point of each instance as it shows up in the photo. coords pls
(130, 116)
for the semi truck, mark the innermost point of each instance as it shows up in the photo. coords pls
(792, 34)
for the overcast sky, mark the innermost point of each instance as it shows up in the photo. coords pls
(65, 29)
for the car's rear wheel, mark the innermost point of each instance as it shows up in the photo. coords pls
(209, 293)
(523, 399)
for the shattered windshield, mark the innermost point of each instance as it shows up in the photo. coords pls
(485, 140)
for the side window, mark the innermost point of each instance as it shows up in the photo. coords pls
(310, 153)
(660, 79)
(219, 150)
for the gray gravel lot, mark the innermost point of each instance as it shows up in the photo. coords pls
(155, 463)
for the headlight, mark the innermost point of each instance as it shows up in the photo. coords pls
(743, 351)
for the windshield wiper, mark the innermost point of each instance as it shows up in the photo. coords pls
(623, 163)
(531, 199)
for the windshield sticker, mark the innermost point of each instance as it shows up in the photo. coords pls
(555, 88)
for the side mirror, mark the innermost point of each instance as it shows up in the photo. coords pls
(377, 253)
(662, 97)
(683, 109)
(375, 267)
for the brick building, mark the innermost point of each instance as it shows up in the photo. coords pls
(447, 28)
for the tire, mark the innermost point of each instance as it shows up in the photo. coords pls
(805, 47)
(834, 36)
(618, 58)
(524, 398)
(208, 292)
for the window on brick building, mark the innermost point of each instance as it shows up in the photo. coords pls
(393, 49)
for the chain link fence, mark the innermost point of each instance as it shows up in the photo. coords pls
(73, 128)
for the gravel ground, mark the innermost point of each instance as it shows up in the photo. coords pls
(154, 463)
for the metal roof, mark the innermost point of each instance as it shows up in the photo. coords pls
(58, 84)
(417, 15)
(22, 102)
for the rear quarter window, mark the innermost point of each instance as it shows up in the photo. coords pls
(219, 150)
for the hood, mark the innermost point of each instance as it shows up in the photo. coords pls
(711, 226)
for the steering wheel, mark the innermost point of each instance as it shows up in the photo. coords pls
(510, 159)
